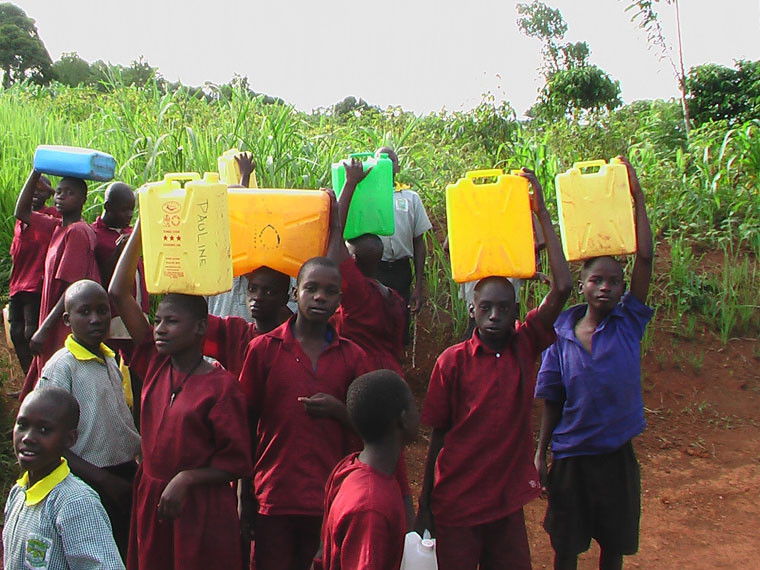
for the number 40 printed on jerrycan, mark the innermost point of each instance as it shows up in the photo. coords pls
(186, 235)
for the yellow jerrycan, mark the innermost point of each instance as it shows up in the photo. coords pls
(595, 210)
(186, 235)
(229, 172)
(277, 228)
(490, 226)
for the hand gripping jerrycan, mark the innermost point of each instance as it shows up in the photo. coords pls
(371, 210)
(277, 228)
(186, 235)
(490, 226)
(74, 161)
(419, 553)
(595, 210)
(229, 171)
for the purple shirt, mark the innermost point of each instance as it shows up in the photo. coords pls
(603, 407)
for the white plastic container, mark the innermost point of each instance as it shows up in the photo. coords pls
(419, 553)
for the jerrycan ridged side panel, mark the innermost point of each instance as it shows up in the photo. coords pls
(186, 236)
(490, 227)
(277, 228)
(372, 206)
(595, 211)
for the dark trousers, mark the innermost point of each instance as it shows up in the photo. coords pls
(119, 513)
(286, 542)
(23, 318)
(398, 276)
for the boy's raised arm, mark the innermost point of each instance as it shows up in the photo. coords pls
(642, 267)
(552, 304)
(23, 210)
(120, 289)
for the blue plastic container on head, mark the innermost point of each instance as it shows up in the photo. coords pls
(74, 161)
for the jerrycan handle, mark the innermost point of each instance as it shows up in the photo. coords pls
(475, 174)
(177, 176)
(361, 155)
(589, 163)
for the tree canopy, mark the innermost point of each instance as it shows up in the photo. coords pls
(22, 53)
(716, 92)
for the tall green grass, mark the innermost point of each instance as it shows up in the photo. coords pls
(701, 193)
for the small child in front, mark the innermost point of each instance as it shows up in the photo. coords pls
(590, 380)
(108, 442)
(31, 237)
(364, 526)
(479, 471)
(52, 519)
(195, 437)
(295, 379)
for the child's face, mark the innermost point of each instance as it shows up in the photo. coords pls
(318, 293)
(68, 198)
(176, 329)
(119, 212)
(89, 316)
(494, 310)
(602, 284)
(42, 193)
(265, 294)
(40, 436)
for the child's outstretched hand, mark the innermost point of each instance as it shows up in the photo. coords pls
(355, 172)
(173, 497)
(245, 163)
(325, 406)
(538, 203)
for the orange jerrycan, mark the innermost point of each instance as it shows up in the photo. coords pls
(186, 235)
(490, 226)
(277, 228)
(229, 171)
(595, 210)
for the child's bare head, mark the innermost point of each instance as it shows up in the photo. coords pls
(367, 250)
(318, 289)
(380, 404)
(88, 312)
(602, 283)
(42, 193)
(46, 426)
(70, 195)
(267, 293)
(494, 308)
(118, 205)
(180, 324)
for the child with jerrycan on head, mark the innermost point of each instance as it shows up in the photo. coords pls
(295, 379)
(480, 471)
(31, 237)
(52, 519)
(195, 437)
(594, 484)
(70, 257)
(364, 525)
(104, 454)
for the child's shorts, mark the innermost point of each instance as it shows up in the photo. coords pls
(595, 496)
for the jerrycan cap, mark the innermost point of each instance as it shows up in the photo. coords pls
(427, 543)
(212, 177)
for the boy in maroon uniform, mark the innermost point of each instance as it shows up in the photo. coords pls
(363, 527)
(195, 437)
(227, 337)
(480, 468)
(295, 379)
(31, 238)
(112, 229)
(70, 257)
(370, 314)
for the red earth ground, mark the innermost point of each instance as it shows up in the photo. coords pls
(700, 454)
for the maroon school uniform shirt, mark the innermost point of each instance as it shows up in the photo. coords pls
(227, 339)
(370, 318)
(483, 398)
(364, 523)
(28, 250)
(206, 426)
(296, 452)
(105, 245)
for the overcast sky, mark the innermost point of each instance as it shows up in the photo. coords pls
(421, 54)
